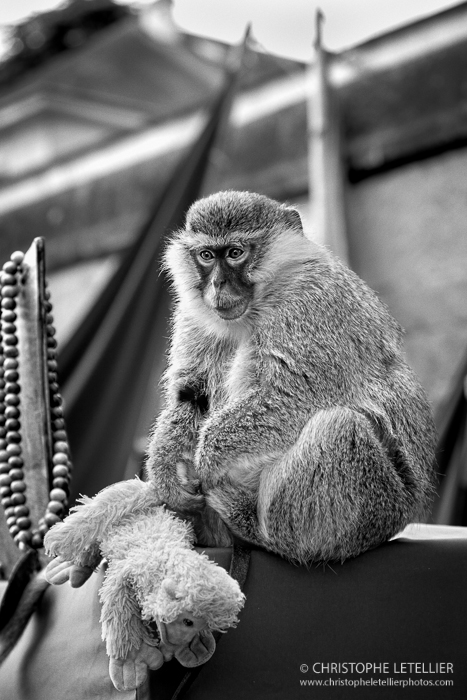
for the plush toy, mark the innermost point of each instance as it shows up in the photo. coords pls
(154, 575)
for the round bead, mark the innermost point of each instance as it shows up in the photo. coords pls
(16, 474)
(59, 424)
(49, 319)
(60, 435)
(51, 342)
(52, 377)
(7, 502)
(43, 527)
(14, 529)
(21, 511)
(4, 455)
(17, 257)
(60, 483)
(55, 507)
(12, 400)
(10, 267)
(12, 388)
(18, 486)
(11, 521)
(51, 519)
(52, 365)
(11, 375)
(13, 450)
(13, 436)
(8, 328)
(37, 540)
(12, 412)
(18, 499)
(57, 495)
(9, 512)
(60, 470)
(4, 467)
(23, 523)
(10, 339)
(57, 411)
(12, 424)
(54, 388)
(56, 400)
(5, 492)
(8, 316)
(15, 462)
(11, 351)
(23, 537)
(60, 458)
(61, 446)
(7, 278)
(8, 303)
(5, 480)
(10, 363)
(10, 290)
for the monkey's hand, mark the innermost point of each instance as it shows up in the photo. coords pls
(130, 673)
(59, 571)
(188, 499)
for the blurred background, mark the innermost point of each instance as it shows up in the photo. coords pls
(359, 119)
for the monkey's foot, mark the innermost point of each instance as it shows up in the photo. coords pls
(130, 673)
(237, 507)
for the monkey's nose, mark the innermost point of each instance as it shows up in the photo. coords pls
(218, 284)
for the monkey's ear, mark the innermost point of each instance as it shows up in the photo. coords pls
(293, 218)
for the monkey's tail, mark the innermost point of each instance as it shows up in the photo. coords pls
(20, 600)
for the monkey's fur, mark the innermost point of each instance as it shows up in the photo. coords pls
(291, 419)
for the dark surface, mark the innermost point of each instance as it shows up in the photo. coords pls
(403, 602)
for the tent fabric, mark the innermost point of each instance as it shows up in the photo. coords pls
(401, 603)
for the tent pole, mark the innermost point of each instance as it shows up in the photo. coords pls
(326, 185)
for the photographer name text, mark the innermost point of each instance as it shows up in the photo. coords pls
(420, 667)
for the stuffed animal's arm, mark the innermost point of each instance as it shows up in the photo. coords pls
(129, 644)
(76, 540)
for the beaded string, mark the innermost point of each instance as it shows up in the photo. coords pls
(12, 485)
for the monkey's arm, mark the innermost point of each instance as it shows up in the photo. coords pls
(170, 456)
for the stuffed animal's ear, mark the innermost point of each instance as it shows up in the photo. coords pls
(169, 587)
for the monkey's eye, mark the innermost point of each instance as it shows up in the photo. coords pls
(187, 622)
(206, 255)
(235, 253)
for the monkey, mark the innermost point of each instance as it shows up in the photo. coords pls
(292, 420)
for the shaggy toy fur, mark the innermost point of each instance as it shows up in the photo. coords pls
(153, 574)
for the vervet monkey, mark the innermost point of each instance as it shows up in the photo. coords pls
(292, 420)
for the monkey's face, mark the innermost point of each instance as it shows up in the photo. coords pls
(223, 273)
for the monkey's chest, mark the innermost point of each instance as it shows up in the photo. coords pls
(231, 381)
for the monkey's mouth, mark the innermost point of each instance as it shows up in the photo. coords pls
(229, 311)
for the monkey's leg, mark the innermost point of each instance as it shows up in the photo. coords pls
(334, 494)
